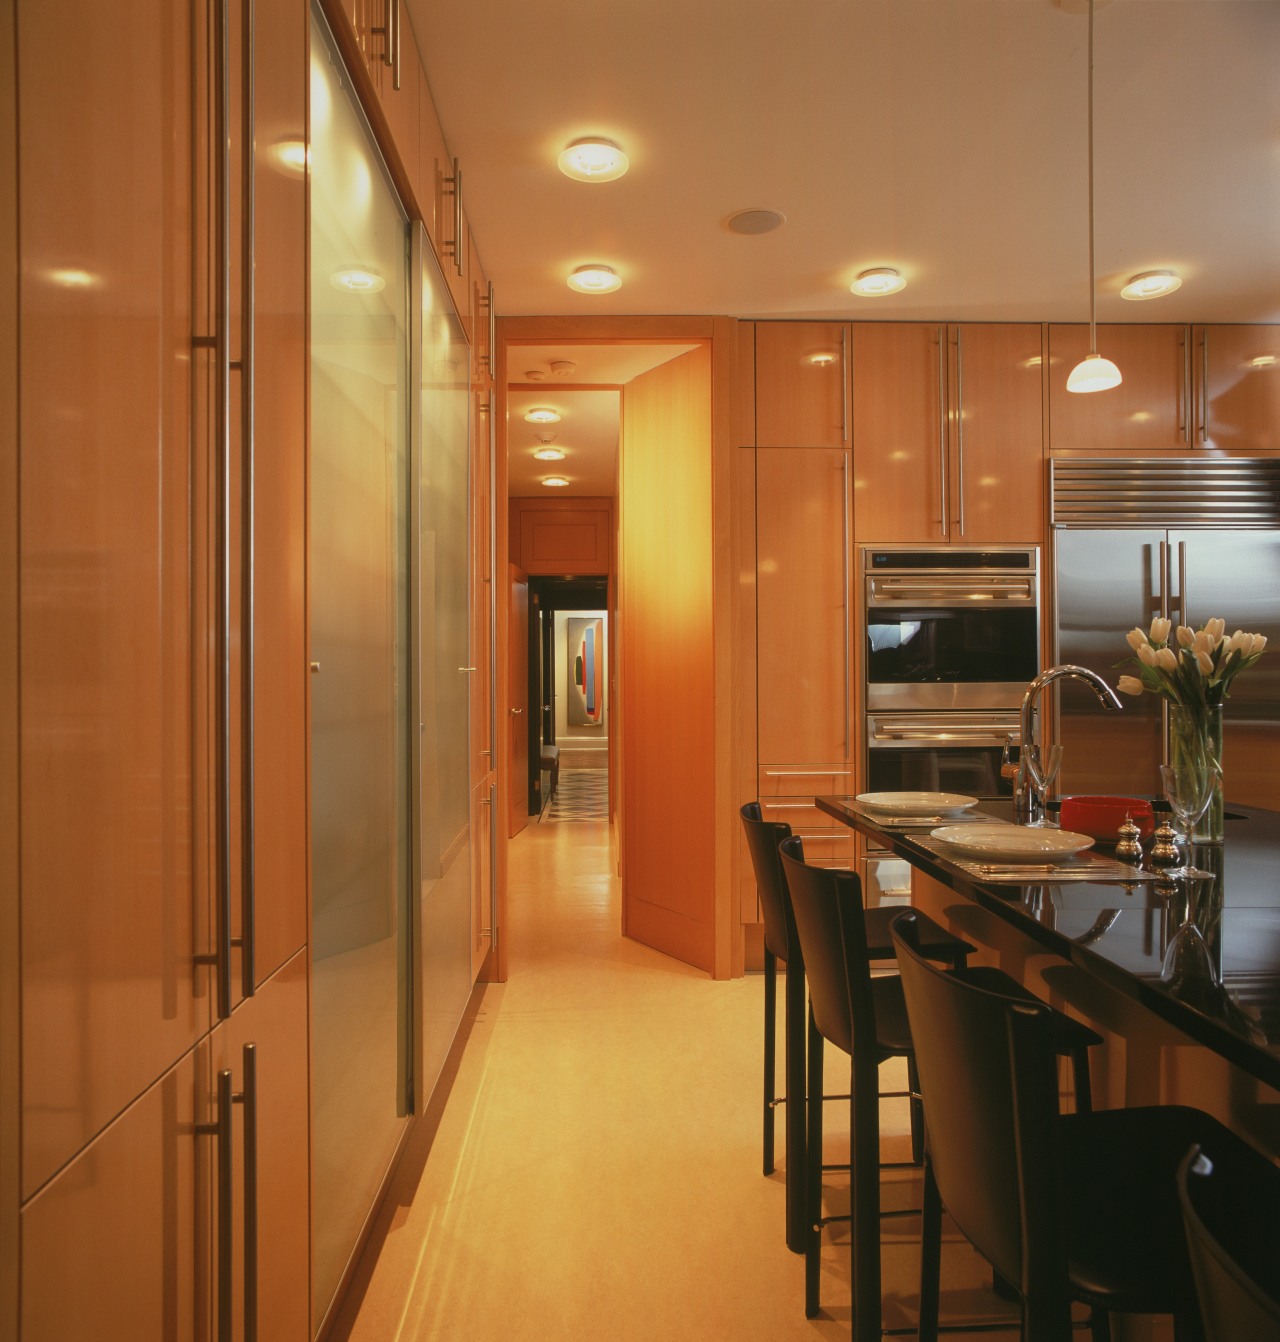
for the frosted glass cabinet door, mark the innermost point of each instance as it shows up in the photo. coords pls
(445, 664)
(360, 591)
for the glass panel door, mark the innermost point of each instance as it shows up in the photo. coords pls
(445, 665)
(360, 589)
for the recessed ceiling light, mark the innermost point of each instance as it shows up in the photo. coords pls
(542, 414)
(877, 282)
(554, 481)
(563, 367)
(356, 281)
(595, 279)
(1151, 284)
(754, 222)
(550, 454)
(593, 159)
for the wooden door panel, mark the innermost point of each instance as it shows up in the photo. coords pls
(113, 877)
(1238, 387)
(802, 591)
(274, 1023)
(899, 433)
(117, 1247)
(1147, 412)
(998, 477)
(801, 392)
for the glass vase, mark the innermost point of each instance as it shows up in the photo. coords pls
(1195, 741)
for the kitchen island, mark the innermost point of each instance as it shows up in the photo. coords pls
(1208, 1035)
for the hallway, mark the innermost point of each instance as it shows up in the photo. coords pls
(596, 1170)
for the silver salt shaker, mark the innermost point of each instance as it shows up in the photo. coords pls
(1129, 846)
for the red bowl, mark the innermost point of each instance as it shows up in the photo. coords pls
(1101, 817)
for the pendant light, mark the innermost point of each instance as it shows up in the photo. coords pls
(1093, 372)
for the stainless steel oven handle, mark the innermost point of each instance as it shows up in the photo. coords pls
(807, 773)
(959, 432)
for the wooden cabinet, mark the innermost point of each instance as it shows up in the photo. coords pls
(161, 607)
(802, 606)
(801, 381)
(566, 537)
(1149, 412)
(1215, 387)
(1237, 387)
(947, 433)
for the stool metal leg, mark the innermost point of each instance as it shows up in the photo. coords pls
(813, 1176)
(770, 1053)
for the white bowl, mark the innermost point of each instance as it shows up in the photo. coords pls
(916, 803)
(1013, 843)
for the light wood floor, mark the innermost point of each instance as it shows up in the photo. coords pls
(595, 1172)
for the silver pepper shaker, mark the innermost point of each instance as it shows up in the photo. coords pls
(1164, 847)
(1129, 847)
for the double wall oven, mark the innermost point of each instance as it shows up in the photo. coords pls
(951, 639)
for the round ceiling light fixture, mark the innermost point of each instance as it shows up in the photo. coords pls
(355, 280)
(542, 414)
(593, 159)
(751, 223)
(1151, 284)
(1093, 373)
(554, 481)
(550, 454)
(877, 282)
(595, 279)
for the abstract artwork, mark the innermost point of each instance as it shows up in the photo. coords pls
(585, 639)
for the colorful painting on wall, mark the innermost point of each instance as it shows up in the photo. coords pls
(585, 640)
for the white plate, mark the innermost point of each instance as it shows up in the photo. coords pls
(916, 803)
(1013, 843)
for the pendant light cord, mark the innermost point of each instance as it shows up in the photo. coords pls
(1093, 323)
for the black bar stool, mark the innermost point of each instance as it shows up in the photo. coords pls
(1231, 1211)
(1065, 1207)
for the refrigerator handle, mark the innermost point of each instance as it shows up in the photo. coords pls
(1183, 604)
(1164, 579)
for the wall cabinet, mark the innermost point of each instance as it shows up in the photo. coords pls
(1236, 376)
(947, 433)
(1183, 389)
(802, 384)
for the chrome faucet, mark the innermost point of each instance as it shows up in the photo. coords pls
(1030, 775)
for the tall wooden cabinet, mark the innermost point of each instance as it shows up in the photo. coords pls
(162, 679)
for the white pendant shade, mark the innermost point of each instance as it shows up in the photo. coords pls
(1093, 373)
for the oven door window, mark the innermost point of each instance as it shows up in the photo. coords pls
(914, 647)
(971, 770)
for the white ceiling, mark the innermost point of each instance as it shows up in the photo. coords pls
(944, 137)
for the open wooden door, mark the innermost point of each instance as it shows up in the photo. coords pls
(666, 703)
(518, 699)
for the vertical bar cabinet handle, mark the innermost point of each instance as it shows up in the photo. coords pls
(1204, 384)
(248, 515)
(944, 502)
(844, 383)
(248, 1097)
(960, 430)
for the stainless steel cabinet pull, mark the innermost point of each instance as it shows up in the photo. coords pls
(467, 668)
(1184, 392)
(220, 1130)
(807, 773)
(1184, 602)
(248, 1097)
(248, 514)
(944, 503)
(516, 711)
(490, 359)
(844, 384)
(454, 186)
(959, 431)
(387, 31)
(1204, 384)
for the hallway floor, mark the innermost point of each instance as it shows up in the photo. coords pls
(595, 1171)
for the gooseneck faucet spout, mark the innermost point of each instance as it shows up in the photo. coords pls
(1029, 768)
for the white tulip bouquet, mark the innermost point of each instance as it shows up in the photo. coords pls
(1198, 673)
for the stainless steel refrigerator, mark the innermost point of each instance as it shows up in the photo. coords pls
(1189, 540)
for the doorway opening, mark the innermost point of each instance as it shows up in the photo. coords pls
(570, 698)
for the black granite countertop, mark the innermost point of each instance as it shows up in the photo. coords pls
(1223, 991)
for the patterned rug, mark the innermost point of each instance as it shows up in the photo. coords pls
(582, 794)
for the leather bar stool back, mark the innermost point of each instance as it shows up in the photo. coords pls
(1231, 1212)
(1067, 1207)
(780, 947)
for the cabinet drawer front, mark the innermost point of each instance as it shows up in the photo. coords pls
(804, 780)
(830, 847)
